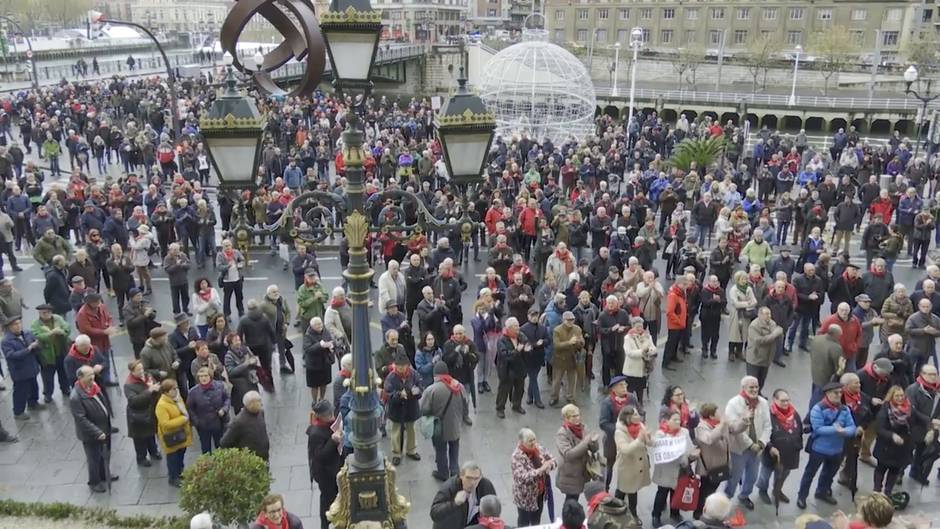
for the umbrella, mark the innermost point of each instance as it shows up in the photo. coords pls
(106, 456)
(549, 497)
(778, 484)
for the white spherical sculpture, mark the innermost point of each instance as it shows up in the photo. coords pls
(539, 88)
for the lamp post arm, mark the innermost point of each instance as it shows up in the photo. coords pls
(29, 46)
(171, 79)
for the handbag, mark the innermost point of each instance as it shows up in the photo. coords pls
(717, 474)
(430, 425)
(685, 496)
(174, 438)
(594, 466)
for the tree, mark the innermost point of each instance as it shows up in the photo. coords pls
(833, 49)
(65, 12)
(760, 55)
(703, 151)
(687, 62)
(229, 483)
(924, 51)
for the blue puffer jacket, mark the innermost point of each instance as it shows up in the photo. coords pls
(826, 440)
(204, 405)
(22, 362)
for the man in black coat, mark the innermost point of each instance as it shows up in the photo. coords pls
(810, 293)
(140, 318)
(846, 286)
(56, 290)
(875, 378)
(248, 429)
(925, 417)
(323, 455)
(431, 313)
(457, 504)
(183, 339)
(511, 367)
(782, 454)
(612, 325)
(92, 417)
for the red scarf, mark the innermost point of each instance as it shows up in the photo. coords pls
(931, 388)
(847, 279)
(833, 406)
(619, 402)
(595, 501)
(264, 522)
(83, 358)
(755, 278)
(451, 384)
(786, 417)
(455, 339)
(511, 333)
(315, 421)
(92, 392)
(336, 303)
(205, 294)
(403, 377)
(535, 455)
(904, 408)
(634, 429)
(751, 403)
(870, 370)
(712, 421)
(229, 254)
(345, 373)
(565, 257)
(664, 427)
(131, 379)
(852, 400)
(875, 272)
(683, 412)
(492, 284)
(576, 429)
(492, 522)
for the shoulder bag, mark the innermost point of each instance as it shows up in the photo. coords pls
(430, 425)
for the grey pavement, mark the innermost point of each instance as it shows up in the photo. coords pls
(48, 463)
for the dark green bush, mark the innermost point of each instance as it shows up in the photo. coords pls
(228, 483)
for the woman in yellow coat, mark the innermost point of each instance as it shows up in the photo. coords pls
(173, 429)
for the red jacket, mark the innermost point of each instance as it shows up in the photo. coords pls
(93, 323)
(883, 206)
(676, 309)
(528, 220)
(851, 333)
(493, 216)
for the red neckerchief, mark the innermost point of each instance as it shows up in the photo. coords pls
(447, 274)
(712, 421)
(576, 429)
(345, 373)
(683, 412)
(678, 291)
(492, 284)
(83, 358)
(755, 278)
(870, 370)
(847, 279)
(491, 522)
(451, 384)
(565, 257)
(852, 400)
(611, 310)
(403, 377)
(711, 289)
(825, 402)
(510, 333)
(875, 272)
(92, 391)
(131, 379)
(595, 501)
(461, 340)
(206, 294)
(264, 522)
(315, 421)
(904, 407)
(786, 417)
(229, 254)
(751, 403)
(619, 402)
(337, 303)
(930, 388)
(664, 427)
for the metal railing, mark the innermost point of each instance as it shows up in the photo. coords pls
(296, 69)
(736, 98)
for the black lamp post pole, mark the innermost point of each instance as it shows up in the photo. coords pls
(926, 98)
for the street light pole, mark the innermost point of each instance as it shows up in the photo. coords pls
(910, 76)
(796, 68)
(635, 36)
(613, 90)
(170, 77)
(29, 47)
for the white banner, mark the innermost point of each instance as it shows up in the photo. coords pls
(667, 449)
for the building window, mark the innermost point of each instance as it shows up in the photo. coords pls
(624, 14)
(889, 38)
(559, 14)
(796, 13)
(858, 37)
(559, 35)
(718, 13)
(744, 13)
(665, 36)
(859, 14)
(691, 13)
(646, 13)
(600, 35)
(689, 36)
(893, 15)
(824, 14)
(714, 37)
(669, 13)
(623, 35)
(794, 38)
(770, 13)
(582, 14)
(928, 15)
(491, 12)
(602, 14)
(582, 35)
(740, 36)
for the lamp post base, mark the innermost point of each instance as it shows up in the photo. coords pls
(368, 499)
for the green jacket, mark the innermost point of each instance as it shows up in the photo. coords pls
(45, 250)
(311, 302)
(50, 148)
(757, 254)
(53, 345)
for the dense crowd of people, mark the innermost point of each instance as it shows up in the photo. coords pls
(589, 245)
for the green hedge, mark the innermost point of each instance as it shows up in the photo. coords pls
(93, 515)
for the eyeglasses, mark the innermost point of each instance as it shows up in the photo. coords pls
(273, 511)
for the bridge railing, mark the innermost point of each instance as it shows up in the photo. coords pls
(736, 98)
(296, 69)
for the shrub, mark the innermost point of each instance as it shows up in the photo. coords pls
(704, 152)
(92, 515)
(228, 483)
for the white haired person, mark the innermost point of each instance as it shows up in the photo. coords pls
(231, 264)
(248, 429)
(338, 321)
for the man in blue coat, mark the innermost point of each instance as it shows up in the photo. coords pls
(21, 350)
(832, 424)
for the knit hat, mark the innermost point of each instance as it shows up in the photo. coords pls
(440, 368)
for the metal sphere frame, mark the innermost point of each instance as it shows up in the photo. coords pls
(539, 88)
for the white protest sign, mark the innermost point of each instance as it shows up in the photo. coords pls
(667, 449)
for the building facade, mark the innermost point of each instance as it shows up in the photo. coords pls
(668, 25)
(428, 21)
